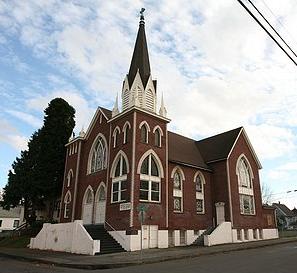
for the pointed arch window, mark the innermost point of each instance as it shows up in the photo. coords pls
(177, 191)
(116, 134)
(67, 201)
(98, 156)
(144, 134)
(150, 179)
(69, 178)
(126, 130)
(157, 138)
(101, 194)
(89, 197)
(199, 181)
(119, 181)
(245, 186)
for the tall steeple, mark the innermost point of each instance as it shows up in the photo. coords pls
(140, 59)
(139, 89)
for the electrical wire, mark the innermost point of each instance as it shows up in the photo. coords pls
(261, 14)
(263, 27)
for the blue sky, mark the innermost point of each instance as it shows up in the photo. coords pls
(215, 66)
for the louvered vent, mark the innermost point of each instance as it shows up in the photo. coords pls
(126, 99)
(150, 102)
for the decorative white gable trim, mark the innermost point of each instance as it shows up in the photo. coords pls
(242, 131)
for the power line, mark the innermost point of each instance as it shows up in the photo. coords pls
(270, 35)
(279, 21)
(272, 27)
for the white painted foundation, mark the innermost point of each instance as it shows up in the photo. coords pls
(67, 237)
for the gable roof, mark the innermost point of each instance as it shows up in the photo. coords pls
(218, 147)
(185, 151)
(106, 112)
(283, 209)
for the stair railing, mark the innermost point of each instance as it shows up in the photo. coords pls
(117, 232)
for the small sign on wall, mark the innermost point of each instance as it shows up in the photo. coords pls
(125, 206)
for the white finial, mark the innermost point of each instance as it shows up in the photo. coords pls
(115, 109)
(82, 132)
(162, 111)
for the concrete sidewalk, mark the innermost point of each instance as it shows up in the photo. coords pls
(129, 258)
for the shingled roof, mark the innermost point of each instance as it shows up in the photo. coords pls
(140, 59)
(283, 209)
(184, 150)
(106, 112)
(219, 146)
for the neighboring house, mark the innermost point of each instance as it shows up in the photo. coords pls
(132, 175)
(11, 219)
(285, 216)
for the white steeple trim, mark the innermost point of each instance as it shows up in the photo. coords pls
(163, 111)
(150, 96)
(115, 109)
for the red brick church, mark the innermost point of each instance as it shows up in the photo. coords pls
(148, 186)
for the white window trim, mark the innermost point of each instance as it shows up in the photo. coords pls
(115, 135)
(69, 177)
(160, 134)
(119, 191)
(176, 192)
(91, 153)
(241, 205)
(148, 129)
(150, 178)
(66, 203)
(122, 177)
(200, 195)
(124, 130)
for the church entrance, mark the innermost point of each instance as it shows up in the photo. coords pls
(100, 205)
(87, 210)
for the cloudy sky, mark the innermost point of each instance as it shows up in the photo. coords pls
(215, 66)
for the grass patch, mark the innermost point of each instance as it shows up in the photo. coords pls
(287, 233)
(15, 242)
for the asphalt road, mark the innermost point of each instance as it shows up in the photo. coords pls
(273, 259)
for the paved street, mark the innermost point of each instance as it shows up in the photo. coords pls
(273, 259)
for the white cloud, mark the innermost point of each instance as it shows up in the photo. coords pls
(28, 118)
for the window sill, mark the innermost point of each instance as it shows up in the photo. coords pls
(95, 172)
(178, 212)
(248, 214)
(200, 213)
(117, 202)
(147, 201)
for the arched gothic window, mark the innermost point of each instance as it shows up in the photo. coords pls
(244, 173)
(119, 180)
(115, 134)
(67, 201)
(69, 178)
(157, 138)
(199, 181)
(245, 186)
(89, 197)
(98, 158)
(177, 192)
(150, 180)
(144, 134)
(126, 130)
(101, 194)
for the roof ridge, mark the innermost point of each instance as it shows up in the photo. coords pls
(220, 134)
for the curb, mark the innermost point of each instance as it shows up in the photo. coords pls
(149, 261)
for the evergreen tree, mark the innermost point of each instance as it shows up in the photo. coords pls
(37, 176)
(58, 126)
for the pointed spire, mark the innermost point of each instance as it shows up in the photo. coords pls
(140, 58)
(115, 109)
(162, 111)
